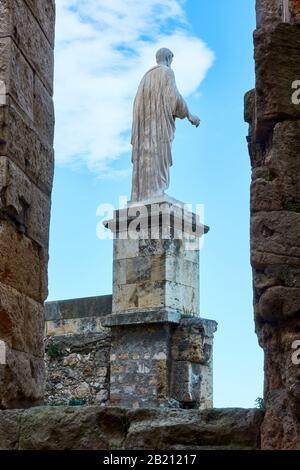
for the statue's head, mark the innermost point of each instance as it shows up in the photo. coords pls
(164, 57)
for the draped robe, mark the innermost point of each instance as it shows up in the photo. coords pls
(156, 106)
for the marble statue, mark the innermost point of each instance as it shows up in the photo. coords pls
(157, 104)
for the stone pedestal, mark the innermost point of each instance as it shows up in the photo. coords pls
(161, 351)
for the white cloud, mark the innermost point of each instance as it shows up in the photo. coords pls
(103, 48)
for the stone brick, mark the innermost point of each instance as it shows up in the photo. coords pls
(83, 308)
(20, 25)
(268, 13)
(277, 56)
(295, 10)
(17, 75)
(276, 232)
(193, 429)
(24, 203)
(276, 185)
(21, 379)
(9, 429)
(277, 303)
(21, 322)
(24, 263)
(186, 382)
(43, 110)
(155, 269)
(20, 142)
(44, 12)
(72, 428)
(188, 344)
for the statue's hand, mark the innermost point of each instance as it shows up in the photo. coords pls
(194, 120)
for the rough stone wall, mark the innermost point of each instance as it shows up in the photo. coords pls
(270, 12)
(274, 146)
(81, 365)
(26, 172)
(163, 364)
(77, 351)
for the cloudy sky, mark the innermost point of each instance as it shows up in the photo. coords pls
(106, 46)
(103, 49)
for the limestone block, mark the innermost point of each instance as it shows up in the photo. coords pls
(188, 248)
(282, 387)
(186, 382)
(155, 295)
(295, 10)
(261, 260)
(22, 26)
(21, 143)
(139, 295)
(276, 186)
(276, 275)
(277, 56)
(182, 298)
(72, 428)
(206, 390)
(21, 379)
(21, 322)
(278, 303)
(44, 12)
(213, 429)
(73, 326)
(188, 344)
(124, 249)
(156, 268)
(276, 232)
(24, 202)
(23, 263)
(268, 13)
(9, 429)
(43, 111)
(83, 308)
(17, 75)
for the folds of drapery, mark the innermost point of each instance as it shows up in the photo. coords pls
(156, 106)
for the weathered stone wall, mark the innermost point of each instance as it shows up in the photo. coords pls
(80, 365)
(77, 350)
(271, 12)
(94, 428)
(274, 146)
(26, 172)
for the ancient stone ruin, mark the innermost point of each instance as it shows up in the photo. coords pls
(98, 349)
(26, 172)
(274, 146)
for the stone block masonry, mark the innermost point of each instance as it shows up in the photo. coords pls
(26, 174)
(274, 147)
(161, 352)
(86, 361)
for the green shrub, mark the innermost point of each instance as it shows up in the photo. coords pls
(259, 403)
(54, 350)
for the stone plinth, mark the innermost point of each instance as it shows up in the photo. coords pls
(157, 266)
(155, 309)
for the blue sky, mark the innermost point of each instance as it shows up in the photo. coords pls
(103, 49)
